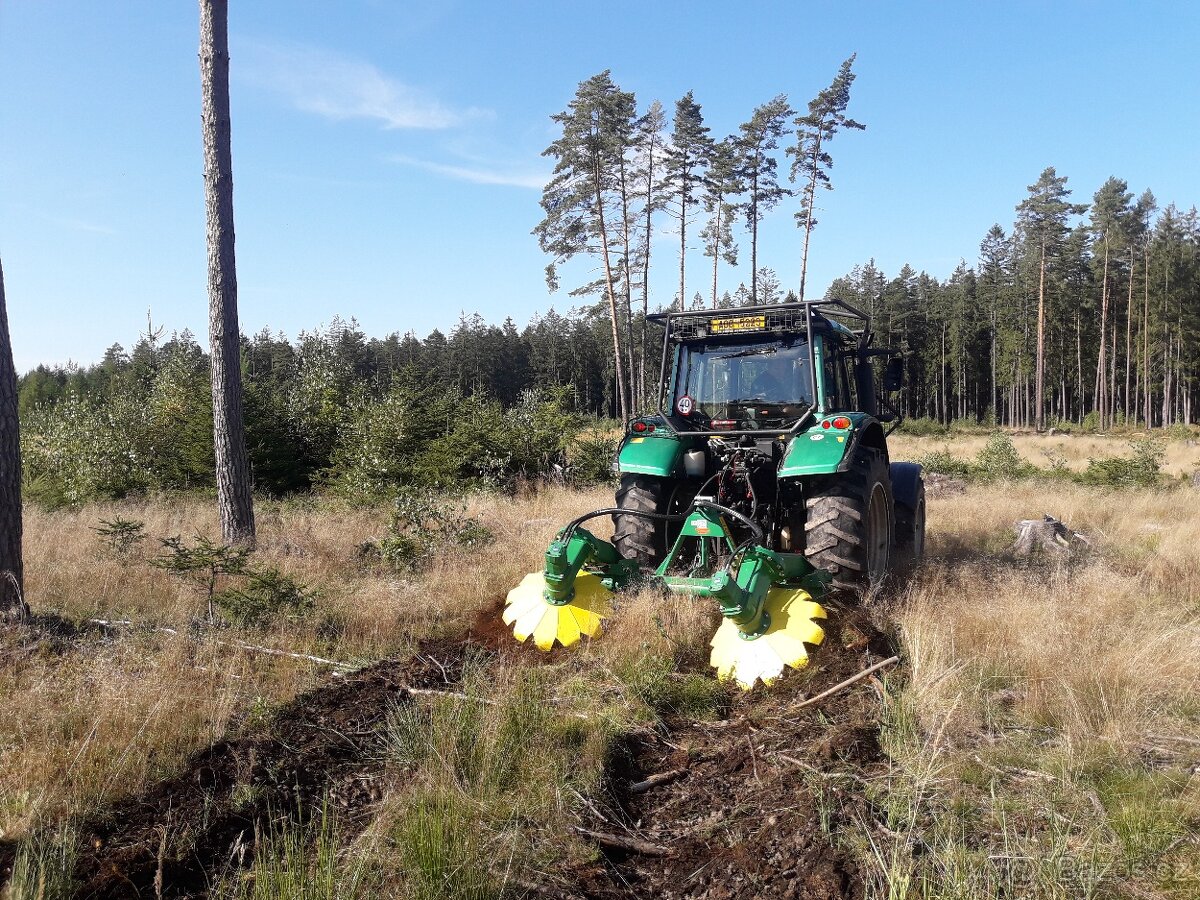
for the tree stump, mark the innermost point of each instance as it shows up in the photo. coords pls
(1046, 534)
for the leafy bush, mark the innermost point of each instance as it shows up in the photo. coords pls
(1141, 468)
(416, 437)
(943, 462)
(424, 525)
(590, 461)
(924, 427)
(999, 460)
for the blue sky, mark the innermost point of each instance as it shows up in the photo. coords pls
(387, 156)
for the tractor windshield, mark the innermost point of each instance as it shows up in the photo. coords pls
(746, 385)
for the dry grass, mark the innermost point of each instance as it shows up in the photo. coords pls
(1182, 456)
(1045, 743)
(97, 715)
(1043, 738)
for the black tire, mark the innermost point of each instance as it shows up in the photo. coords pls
(635, 537)
(848, 527)
(910, 531)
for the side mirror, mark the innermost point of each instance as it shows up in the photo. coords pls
(893, 374)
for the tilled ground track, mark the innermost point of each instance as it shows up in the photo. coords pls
(740, 822)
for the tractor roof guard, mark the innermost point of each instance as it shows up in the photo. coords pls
(804, 317)
(782, 317)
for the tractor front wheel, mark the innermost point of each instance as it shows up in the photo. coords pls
(848, 527)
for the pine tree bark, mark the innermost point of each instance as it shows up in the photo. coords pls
(1102, 357)
(13, 607)
(233, 468)
(1129, 405)
(1040, 419)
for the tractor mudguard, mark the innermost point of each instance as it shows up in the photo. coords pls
(820, 451)
(650, 454)
(906, 479)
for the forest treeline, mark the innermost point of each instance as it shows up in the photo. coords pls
(1103, 299)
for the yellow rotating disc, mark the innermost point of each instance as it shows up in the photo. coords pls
(528, 611)
(791, 612)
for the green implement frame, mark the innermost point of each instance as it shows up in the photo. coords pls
(740, 586)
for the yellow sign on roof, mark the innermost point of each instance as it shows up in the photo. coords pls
(738, 323)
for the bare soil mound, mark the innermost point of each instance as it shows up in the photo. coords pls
(323, 747)
(742, 820)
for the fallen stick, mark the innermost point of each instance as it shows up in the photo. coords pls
(640, 787)
(106, 623)
(633, 845)
(849, 681)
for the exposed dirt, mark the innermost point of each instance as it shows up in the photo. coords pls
(743, 821)
(325, 746)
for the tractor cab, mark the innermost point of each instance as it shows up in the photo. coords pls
(770, 369)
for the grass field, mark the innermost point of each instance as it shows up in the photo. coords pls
(1041, 737)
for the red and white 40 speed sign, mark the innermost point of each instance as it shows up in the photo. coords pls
(685, 405)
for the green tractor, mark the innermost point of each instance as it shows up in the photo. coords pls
(763, 481)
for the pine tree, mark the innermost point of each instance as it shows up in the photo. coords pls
(233, 467)
(756, 170)
(826, 117)
(651, 150)
(579, 201)
(717, 235)
(1042, 218)
(688, 159)
(1111, 212)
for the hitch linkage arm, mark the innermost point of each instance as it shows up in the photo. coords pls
(570, 551)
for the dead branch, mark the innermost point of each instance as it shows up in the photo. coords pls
(253, 648)
(640, 787)
(633, 845)
(849, 681)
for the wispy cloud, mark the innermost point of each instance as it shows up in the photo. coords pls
(76, 224)
(341, 87)
(477, 175)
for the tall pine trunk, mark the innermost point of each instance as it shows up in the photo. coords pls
(811, 192)
(13, 607)
(1040, 375)
(1102, 358)
(233, 467)
(1129, 338)
(1146, 337)
(618, 358)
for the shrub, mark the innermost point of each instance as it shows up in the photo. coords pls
(424, 525)
(590, 461)
(121, 536)
(999, 460)
(943, 462)
(1141, 468)
(204, 564)
(924, 427)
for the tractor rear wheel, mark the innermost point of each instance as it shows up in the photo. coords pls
(848, 527)
(636, 537)
(648, 540)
